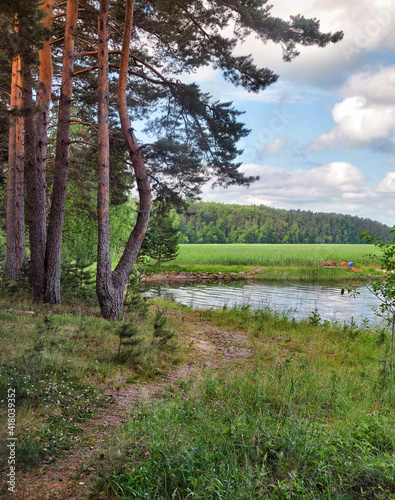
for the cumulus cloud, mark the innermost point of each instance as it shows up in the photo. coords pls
(387, 185)
(336, 187)
(368, 26)
(303, 186)
(366, 117)
(377, 85)
(275, 147)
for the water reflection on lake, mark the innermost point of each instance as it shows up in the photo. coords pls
(297, 300)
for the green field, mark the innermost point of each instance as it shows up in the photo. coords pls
(273, 255)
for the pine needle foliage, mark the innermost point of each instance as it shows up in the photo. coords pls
(127, 333)
(134, 303)
(161, 241)
(161, 332)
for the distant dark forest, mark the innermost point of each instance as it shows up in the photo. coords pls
(219, 223)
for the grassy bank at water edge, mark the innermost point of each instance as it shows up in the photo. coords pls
(278, 262)
(309, 414)
(226, 404)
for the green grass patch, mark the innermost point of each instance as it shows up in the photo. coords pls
(286, 432)
(310, 416)
(280, 274)
(60, 365)
(273, 255)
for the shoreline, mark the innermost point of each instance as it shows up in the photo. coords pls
(200, 276)
(320, 274)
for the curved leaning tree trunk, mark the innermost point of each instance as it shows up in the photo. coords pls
(58, 200)
(110, 285)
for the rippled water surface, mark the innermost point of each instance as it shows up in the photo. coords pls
(297, 300)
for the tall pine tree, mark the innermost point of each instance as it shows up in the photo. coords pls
(136, 69)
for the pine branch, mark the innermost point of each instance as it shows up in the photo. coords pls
(76, 141)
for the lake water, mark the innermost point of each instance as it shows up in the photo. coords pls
(297, 300)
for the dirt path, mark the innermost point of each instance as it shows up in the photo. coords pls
(72, 475)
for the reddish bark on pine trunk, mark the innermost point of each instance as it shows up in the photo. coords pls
(15, 217)
(136, 238)
(111, 285)
(106, 292)
(10, 211)
(35, 169)
(58, 200)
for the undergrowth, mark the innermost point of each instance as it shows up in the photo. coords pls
(279, 433)
(274, 255)
(59, 366)
(310, 417)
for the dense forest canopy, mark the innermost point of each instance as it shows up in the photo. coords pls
(220, 223)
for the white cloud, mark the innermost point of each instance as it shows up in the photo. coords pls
(341, 176)
(366, 117)
(302, 186)
(276, 146)
(377, 85)
(337, 187)
(368, 26)
(387, 185)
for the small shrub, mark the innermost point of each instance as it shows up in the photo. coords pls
(77, 279)
(127, 333)
(315, 318)
(161, 333)
(134, 303)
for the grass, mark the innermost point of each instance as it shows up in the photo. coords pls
(280, 433)
(308, 415)
(279, 274)
(278, 262)
(311, 416)
(273, 255)
(60, 366)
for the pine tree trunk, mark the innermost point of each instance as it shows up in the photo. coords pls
(58, 199)
(129, 256)
(36, 218)
(15, 218)
(35, 168)
(111, 285)
(20, 246)
(109, 300)
(10, 211)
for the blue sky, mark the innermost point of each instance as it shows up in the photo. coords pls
(323, 136)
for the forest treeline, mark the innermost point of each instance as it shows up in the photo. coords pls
(206, 222)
